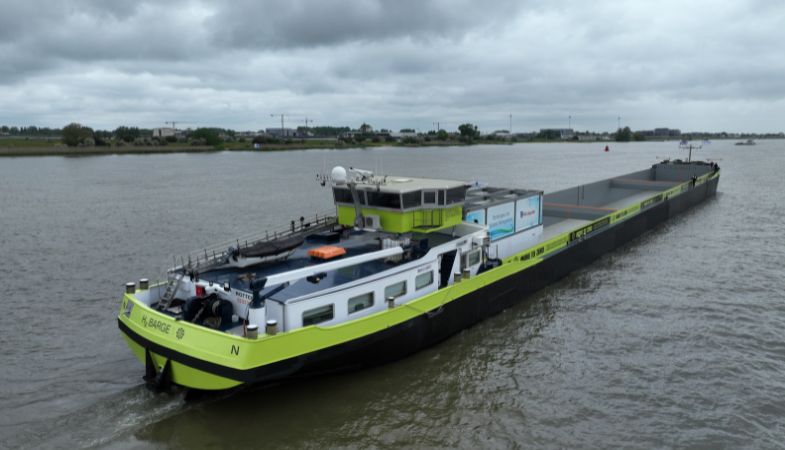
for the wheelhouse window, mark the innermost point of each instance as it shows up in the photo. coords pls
(412, 199)
(383, 199)
(342, 195)
(441, 197)
(423, 280)
(429, 197)
(318, 315)
(456, 195)
(395, 290)
(360, 302)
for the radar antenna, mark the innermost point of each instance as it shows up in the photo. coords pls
(341, 177)
(684, 145)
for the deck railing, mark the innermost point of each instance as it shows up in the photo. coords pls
(214, 255)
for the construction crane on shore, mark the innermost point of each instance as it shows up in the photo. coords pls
(284, 116)
(307, 121)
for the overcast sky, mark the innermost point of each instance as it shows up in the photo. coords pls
(694, 65)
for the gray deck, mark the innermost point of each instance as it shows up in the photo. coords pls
(632, 199)
(561, 227)
(571, 208)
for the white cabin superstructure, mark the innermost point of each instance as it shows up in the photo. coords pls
(398, 239)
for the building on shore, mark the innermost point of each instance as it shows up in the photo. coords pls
(164, 132)
(502, 134)
(558, 133)
(666, 132)
(246, 134)
(281, 132)
(403, 134)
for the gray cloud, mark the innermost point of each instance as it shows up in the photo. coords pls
(37, 35)
(396, 64)
(299, 23)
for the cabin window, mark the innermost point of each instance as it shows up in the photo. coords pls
(383, 199)
(360, 302)
(441, 197)
(429, 197)
(412, 199)
(395, 290)
(423, 280)
(318, 315)
(473, 257)
(456, 195)
(342, 195)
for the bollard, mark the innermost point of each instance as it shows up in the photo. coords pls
(271, 328)
(144, 284)
(466, 274)
(252, 331)
(130, 288)
(457, 277)
(390, 302)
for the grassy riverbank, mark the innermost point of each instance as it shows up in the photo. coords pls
(89, 151)
(35, 147)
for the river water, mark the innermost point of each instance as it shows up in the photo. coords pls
(673, 341)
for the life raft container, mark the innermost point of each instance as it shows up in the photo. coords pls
(327, 252)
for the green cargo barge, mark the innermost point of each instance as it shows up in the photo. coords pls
(402, 264)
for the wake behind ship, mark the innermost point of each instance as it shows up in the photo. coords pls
(402, 264)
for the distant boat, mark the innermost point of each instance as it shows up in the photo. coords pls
(747, 142)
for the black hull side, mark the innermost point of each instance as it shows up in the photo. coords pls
(428, 329)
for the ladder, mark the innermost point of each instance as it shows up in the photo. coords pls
(171, 290)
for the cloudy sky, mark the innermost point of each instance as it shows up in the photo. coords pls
(694, 65)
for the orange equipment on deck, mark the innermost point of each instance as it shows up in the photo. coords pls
(327, 252)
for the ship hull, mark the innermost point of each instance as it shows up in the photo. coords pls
(431, 326)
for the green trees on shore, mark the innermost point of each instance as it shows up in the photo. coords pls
(626, 135)
(127, 134)
(468, 131)
(74, 134)
(549, 135)
(210, 136)
(29, 131)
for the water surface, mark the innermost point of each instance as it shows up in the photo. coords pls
(674, 340)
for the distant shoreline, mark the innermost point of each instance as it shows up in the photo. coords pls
(131, 150)
(59, 150)
(95, 151)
